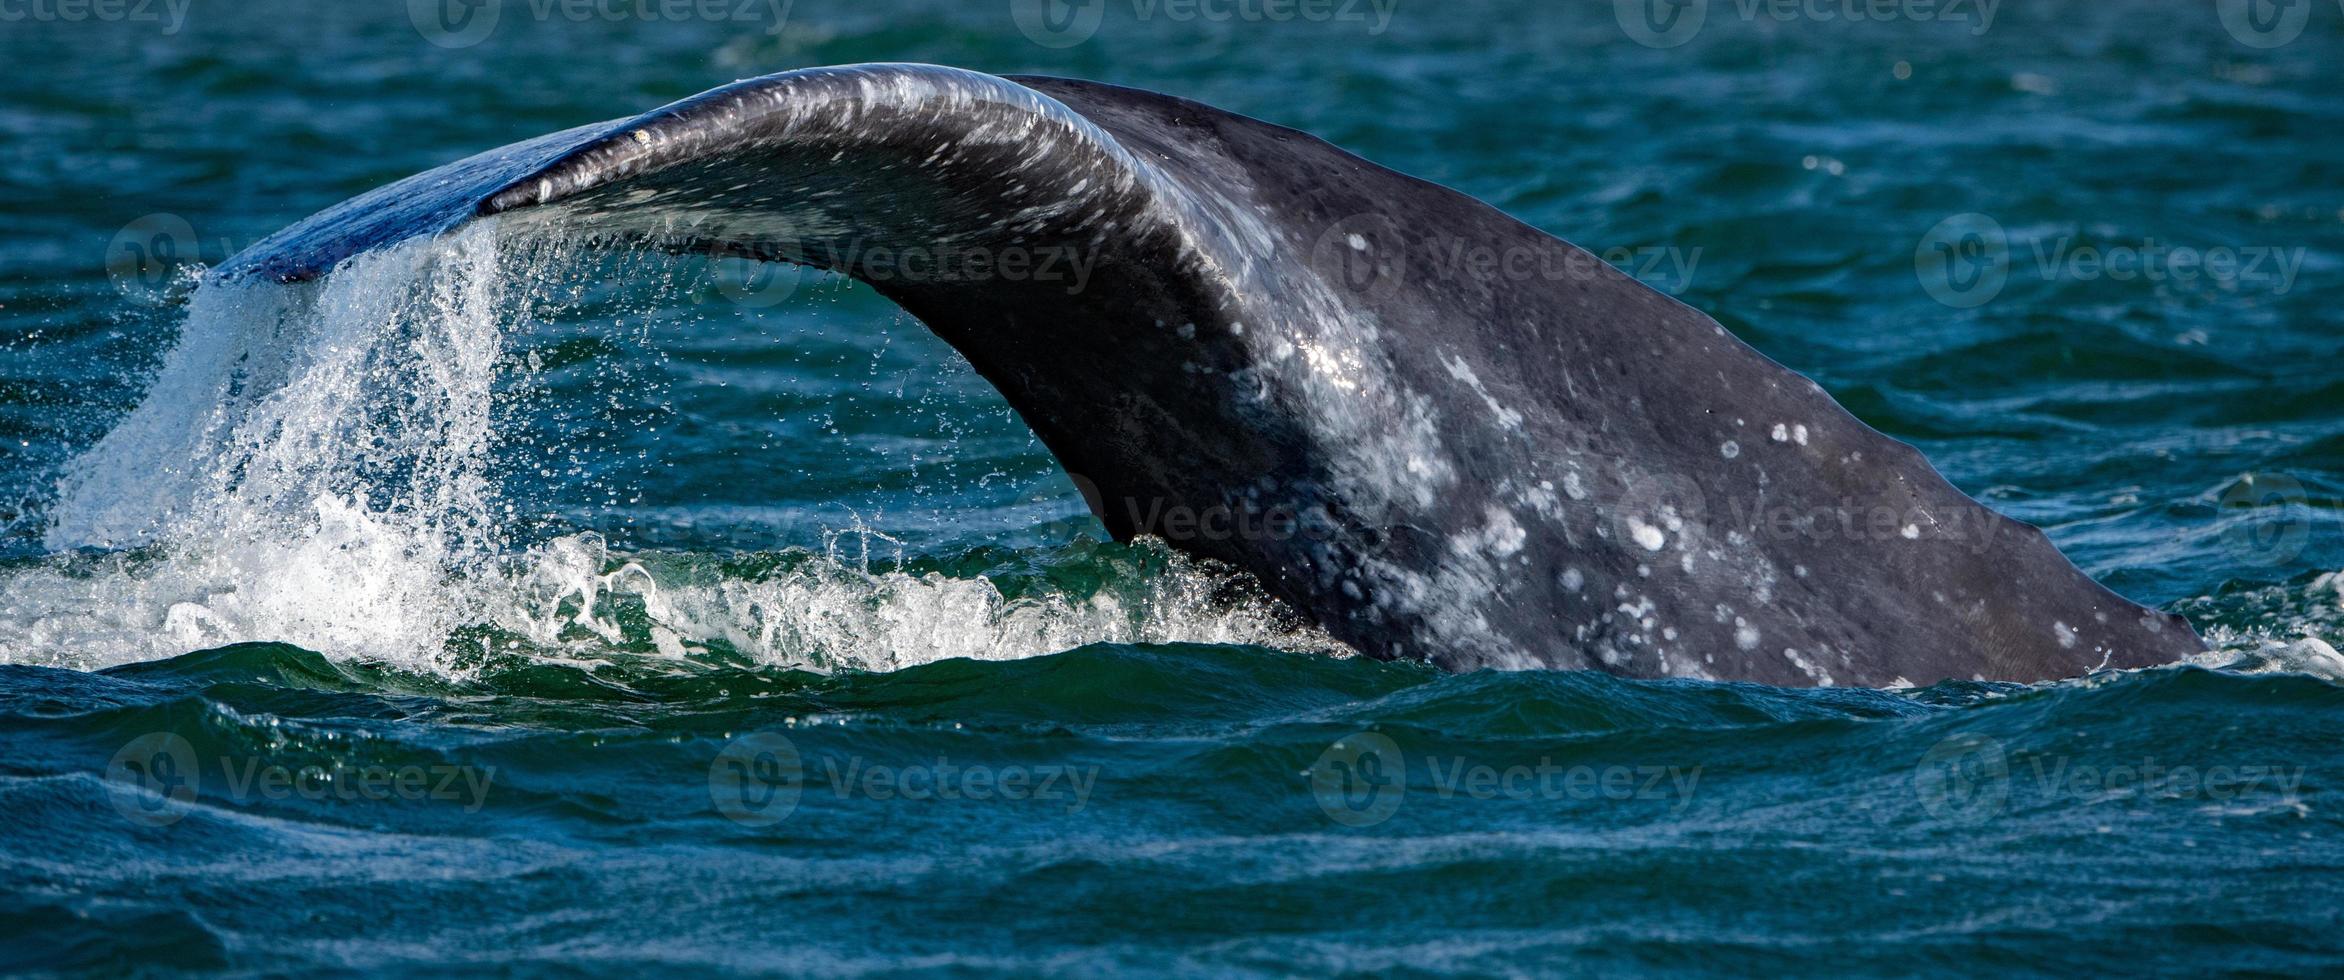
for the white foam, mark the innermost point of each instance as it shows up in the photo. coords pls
(313, 465)
(310, 466)
(826, 613)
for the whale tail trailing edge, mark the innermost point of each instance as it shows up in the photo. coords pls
(1259, 347)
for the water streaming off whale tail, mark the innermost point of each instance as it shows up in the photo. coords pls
(319, 464)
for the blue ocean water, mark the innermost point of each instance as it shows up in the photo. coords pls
(594, 613)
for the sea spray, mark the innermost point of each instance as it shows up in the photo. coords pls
(311, 463)
(318, 464)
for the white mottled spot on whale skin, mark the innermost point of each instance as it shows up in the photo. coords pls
(1781, 433)
(1911, 532)
(1799, 434)
(1505, 534)
(1507, 418)
(1357, 243)
(1574, 487)
(1730, 450)
(1573, 580)
(1652, 538)
(1541, 498)
(2066, 635)
(1822, 677)
(1745, 635)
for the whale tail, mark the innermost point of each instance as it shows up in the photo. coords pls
(1264, 350)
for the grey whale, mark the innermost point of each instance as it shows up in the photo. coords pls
(1273, 360)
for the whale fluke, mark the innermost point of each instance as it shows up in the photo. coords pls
(1270, 353)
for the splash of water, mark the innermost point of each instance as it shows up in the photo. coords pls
(314, 464)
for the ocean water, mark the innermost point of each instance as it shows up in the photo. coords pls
(502, 606)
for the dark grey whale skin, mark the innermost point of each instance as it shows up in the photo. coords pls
(1286, 358)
